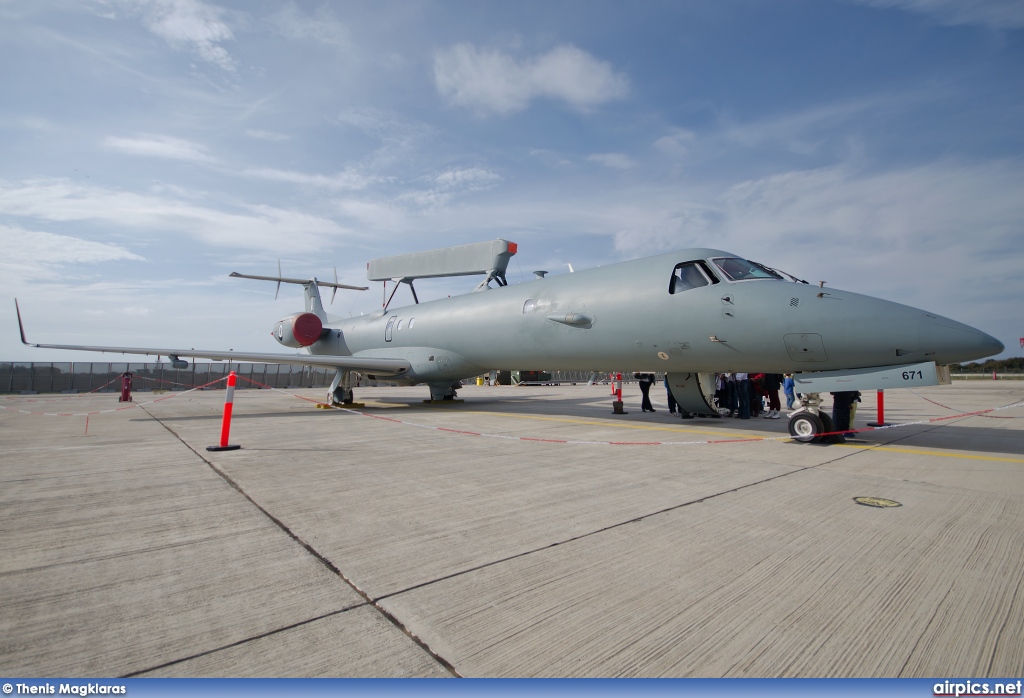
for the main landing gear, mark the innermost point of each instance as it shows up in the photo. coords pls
(441, 392)
(809, 423)
(340, 392)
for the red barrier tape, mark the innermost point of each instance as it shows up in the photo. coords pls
(116, 409)
(953, 409)
(979, 413)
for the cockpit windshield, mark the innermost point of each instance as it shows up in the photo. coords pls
(736, 269)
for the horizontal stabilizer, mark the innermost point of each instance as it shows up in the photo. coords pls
(300, 282)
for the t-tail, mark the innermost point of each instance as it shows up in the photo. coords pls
(305, 328)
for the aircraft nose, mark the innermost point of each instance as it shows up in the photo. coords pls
(992, 345)
(954, 342)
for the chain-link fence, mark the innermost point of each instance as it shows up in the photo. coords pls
(85, 377)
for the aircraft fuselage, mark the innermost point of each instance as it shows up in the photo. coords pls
(624, 315)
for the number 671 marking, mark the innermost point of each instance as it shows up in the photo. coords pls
(911, 375)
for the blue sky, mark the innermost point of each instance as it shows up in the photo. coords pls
(150, 147)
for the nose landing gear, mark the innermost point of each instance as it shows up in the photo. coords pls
(808, 424)
(805, 427)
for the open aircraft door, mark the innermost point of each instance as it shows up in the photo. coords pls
(694, 392)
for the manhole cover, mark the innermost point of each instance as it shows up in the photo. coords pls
(876, 502)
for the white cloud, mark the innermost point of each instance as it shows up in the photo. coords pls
(249, 227)
(451, 183)
(21, 246)
(944, 236)
(616, 161)
(997, 14)
(33, 254)
(347, 180)
(160, 146)
(398, 136)
(266, 135)
(676, 142)
(471, 178)
(497, 82)
(323, 27)
(804, 131)
(189, 25)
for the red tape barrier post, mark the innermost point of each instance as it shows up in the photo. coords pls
(881, 411)
(617, 394)
(225, 427)
(126, 387)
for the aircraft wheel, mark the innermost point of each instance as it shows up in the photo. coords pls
(805, 427)
(827, 426)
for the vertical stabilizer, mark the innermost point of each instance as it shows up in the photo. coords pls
(311, 290)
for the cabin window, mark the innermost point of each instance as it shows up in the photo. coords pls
(411, 320)
(736, 269)
(687, 276)
(399, 325)
(529, 305)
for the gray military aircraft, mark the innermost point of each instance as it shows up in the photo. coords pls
(691, 314)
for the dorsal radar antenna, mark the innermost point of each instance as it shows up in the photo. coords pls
(489, 258)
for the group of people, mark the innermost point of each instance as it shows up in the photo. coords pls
(747, 395)
(743, 394)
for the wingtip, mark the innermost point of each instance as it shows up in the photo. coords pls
(21, 327)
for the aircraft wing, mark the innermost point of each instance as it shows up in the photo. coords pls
(355, 363)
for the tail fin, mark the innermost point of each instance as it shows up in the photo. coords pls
(311, 288)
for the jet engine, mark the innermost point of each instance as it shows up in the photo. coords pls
(298, 330)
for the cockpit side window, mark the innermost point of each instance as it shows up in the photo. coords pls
(736, 269)
(687, 276)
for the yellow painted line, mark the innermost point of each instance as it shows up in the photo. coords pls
(642, 427)
(731, 434)
(919, 452)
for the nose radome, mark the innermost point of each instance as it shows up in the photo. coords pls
(948, 341)
(992, 345)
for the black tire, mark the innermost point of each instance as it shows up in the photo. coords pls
(829, 426)
(805, 427)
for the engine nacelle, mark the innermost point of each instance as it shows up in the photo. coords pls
(298, 330)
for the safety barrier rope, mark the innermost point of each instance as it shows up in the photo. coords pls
(954, 409)
(129, 406)
(507, 437)
(279, 390)
(464, 432)
(787, 437)
(161, 381)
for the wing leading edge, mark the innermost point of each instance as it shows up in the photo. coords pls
(385, 366)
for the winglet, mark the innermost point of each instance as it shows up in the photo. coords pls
(21, 327)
